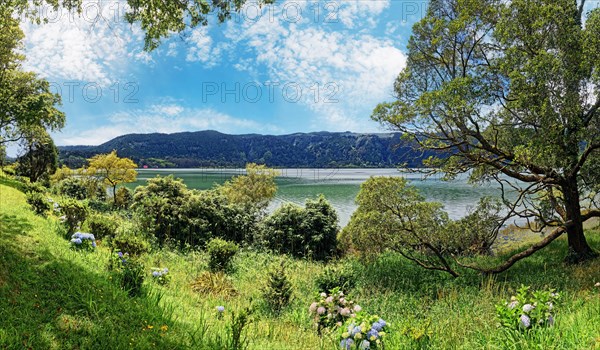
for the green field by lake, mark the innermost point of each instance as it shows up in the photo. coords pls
(340, 186)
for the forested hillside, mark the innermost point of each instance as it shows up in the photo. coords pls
(212, 148)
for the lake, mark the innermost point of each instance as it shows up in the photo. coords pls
(340, 186)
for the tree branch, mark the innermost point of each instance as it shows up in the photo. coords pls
(521, 255)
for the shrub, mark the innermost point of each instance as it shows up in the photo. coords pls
(100, 206)
(158, 206)
(73, 213)
(332, 309)
(130, 272)
(528, 309)
(123, 198)
(35, 187)
(83, 241)
(39, 203)
(72, 187)
(302, 232)
(342, 277)
(102, 226)
(161, 275)
(128, 241)
(216, 284)
(278, 291)
(364, 332)
(220, 254)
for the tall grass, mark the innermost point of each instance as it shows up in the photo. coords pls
(52, 297)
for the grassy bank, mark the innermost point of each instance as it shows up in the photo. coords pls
(52, 297)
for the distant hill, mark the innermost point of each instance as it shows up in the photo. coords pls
(214, 149)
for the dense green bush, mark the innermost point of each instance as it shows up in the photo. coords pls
(123, 198)
(210, 215)
(127, 240)
(39, 203)
(169, 211)
(73, 213)
(102, 226)
(37, 187)
(220, 254)
(158, 207)
(72, 187)
(302, 232)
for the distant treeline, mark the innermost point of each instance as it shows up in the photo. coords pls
(215, 149)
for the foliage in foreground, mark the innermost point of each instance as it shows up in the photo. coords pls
(71, 295)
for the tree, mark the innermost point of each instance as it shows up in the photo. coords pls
(254, 189)
(158, 19)
(309, 232)
(25, 101)
(392, 215)
(113, 170)
(510, 92)
(160, 206)
(41, 155)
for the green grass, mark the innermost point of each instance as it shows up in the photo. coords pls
(52, 297)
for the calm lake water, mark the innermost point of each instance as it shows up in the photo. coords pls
(340, 186)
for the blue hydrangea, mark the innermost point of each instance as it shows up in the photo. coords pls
(365, 345)
(378, 326)
(76, 241)
(156, 274)
(356, 329)
(346, 344)
(372, 333)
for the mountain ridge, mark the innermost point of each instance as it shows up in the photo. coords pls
(211, 148)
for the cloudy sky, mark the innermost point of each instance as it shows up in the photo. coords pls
(297, 66)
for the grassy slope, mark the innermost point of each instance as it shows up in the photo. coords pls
(53, 297)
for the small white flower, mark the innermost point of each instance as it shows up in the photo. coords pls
(321, 310)
(597, 285)
(550, 306)
(323, 295)
(357, 308)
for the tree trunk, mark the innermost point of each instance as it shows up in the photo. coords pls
(114, 195)
(579, 250)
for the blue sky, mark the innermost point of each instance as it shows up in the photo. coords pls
(296, 66)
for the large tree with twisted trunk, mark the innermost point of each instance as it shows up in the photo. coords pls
(509, 91)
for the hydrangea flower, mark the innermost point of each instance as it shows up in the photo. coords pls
(525, 321)
(528, 307)
(320, 310)
(365, 345)
(346, 344)
(220, 308)
(357, 308)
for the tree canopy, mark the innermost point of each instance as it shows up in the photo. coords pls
(158, 19)
(509, 91)
(113, 170)
(26, 101)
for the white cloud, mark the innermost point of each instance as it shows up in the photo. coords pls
(202, 48)
(167, 118)
(360, 66)
(354, 13)
(94, 46)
